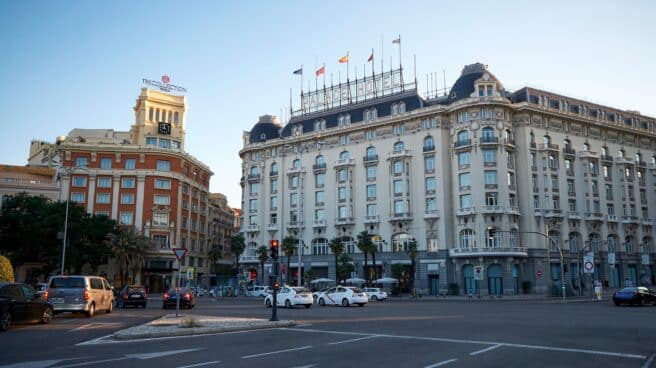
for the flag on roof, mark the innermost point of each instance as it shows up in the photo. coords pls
(371, 57)
(298, 71)
(321, 70)
(344, 59)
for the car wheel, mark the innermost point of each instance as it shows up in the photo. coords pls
(5, 321)
(288, 304)
(267, 303)
(374, 298)
(345, 302)
(307, 306)
(322, 302)
(110, 308)
(46, 315)
(91, 311)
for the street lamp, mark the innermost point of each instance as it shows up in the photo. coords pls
(68, 170)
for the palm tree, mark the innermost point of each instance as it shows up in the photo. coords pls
(337, 248)
(214, 253)
(364, 245)
(373, 250)
(262, 256)
(237, 246)
(129, 250)
(412, 252)
(288, 246)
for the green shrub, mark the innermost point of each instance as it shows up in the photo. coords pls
(6, 271)
(454, 289)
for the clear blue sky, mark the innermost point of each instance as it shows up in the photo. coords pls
(79, 64)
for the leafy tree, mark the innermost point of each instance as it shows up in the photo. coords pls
(288, 246)
(412, 252)
(214, 253)
(337, 248)
(88, 246)
(129, 249)
(237, 247)
(262, 256)
(364, 245)
(6, 271)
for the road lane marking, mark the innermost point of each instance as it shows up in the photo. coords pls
(352, 340)
(441, 363)
(142, 356)
(275, 352)
(200, 364)
(484, 350)
(648, 363)
(93, 325)
(34, 364)
(461, 341)
(306, 366)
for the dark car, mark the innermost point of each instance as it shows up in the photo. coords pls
(187, 299)
(21, 303)
(132, 295)
(634, 295)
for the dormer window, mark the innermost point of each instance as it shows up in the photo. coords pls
(401, 107)
(485, 90)
(298, 129)
(370, 114)
(344, 119)
(263, 137)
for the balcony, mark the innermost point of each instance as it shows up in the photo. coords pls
(466, 211)
(344, 221)
(553, 213)
(549, 147)
(431, 214)
(569, 151)
(295, 224)
(344, 162)
(574, 215)
(371, 219)
(588, 154)
(462, 143)
(399, 154)
(514, 210)
(509, 142)
(641, 163)
(630, 219)
(489, 140)
(398, 216)
(622, 160)
(647, 221)
(294, 170)
(319, 223)
(253, 178)
(611, 218)
(252, 228)
(606, 158)
(492, 209)
(318, 168)
(429, 148)
(273, 173)
(593, 216)
(370, 160)
(488, 251)
(272, 227)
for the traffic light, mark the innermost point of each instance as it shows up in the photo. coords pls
(273, 246)
(491, 232)
(276, 285)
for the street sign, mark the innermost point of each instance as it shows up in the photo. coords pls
(478, 273)
(190, 273)
(611, 259)
(179, 253)
(588, 264)
(538, 273)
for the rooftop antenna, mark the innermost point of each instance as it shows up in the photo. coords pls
(414, 58)
(444, 76)
(427, 89)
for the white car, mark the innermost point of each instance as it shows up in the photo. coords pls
(375, 293)
(343, 295)
(290, 297)
(258, 291)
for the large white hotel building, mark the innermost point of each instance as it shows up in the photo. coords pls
(481, 177)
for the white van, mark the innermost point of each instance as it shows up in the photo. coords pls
(84, 294)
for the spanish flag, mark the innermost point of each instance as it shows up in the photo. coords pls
(344, 59)
(320, 71)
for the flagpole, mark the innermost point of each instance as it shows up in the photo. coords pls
(382, 55)
(324, 75)
(316, 64)
(302, 105)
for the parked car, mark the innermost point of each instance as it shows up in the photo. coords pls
(290, 297)
(78, 293)
(132, 295)
(21, 303)
(257, 291)
(634, 295)
(41, 288)
(375, 294)
(343, 295)
(187, 298)
(315, 295)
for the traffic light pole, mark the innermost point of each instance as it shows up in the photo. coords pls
(274, 290)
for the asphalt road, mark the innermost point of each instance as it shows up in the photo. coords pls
(397, 333)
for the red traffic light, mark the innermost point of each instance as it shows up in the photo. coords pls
(273, 248)
(273, 243)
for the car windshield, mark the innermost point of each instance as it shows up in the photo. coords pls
(67, 282)
(301, 290)
(629, 290)
(356, 290)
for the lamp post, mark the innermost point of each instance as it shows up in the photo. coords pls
(68, 170)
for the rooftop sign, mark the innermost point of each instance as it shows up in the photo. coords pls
(164, 85)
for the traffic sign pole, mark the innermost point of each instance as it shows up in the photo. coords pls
(179, 254)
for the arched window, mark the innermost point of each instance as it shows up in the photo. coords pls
(401, 107)
(319, 160)
(488, 135)
(467, 239)
(255, 170)
(574, 242)
(374, 114)
(344, 155)
(429, 143)
(394, 109)
(274, 169)
(586, 147)
(628, 243)
(400, 242)
(638, 157)
(620, 153)
(531, 137)
(653, 160)
(397, 167)
(296, 164)
(493, 241)
(371, 151)
(612, 243)
(546, 140)
(463, 137)
(263, 137)
(604, 151)
(398, 146)
(594, 240)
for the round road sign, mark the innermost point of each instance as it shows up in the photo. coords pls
(538, 274)
(588, 266)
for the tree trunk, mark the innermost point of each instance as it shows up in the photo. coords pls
(373, 259)
(366, 267)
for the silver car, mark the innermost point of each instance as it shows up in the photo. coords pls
(85, 294)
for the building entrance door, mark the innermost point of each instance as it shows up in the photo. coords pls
(434, 284)
(495, 280)
(469, 285)
(614, 277)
